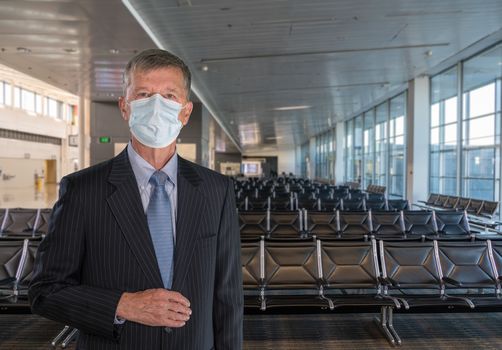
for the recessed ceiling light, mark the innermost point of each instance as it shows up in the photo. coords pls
(291, 108)
(23, 50)
(205, 68)
(428, 53)
(114, 51)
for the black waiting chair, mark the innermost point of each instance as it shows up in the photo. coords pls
(398, 204)
(290, 267)
(376, 204)
(420, 222)
(252, 278)
(321, 224)
(387, 224)
(353, 204)
(453, 224)
(253, 224)
(288, 224)
(354, 225)
(19, 222)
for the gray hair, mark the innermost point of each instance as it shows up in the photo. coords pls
(151, 59)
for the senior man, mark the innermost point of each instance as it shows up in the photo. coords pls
(143, 250)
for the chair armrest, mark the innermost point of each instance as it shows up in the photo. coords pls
(7, 281)
(452, 282)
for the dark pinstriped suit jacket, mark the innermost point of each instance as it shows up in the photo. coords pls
(99, 246)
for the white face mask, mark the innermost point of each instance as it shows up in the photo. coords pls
(154, 121)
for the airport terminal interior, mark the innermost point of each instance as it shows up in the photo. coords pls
(363, 139)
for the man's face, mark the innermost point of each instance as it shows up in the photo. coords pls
(168, 82)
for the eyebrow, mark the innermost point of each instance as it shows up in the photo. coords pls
(167, 89)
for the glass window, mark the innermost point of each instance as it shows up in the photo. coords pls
(358, 148)
(2, 93)
(349, 150)
(481, 125)
(28, 100)
(8, 94)
(397, 161)
(38, 104)
(381, 143)
(369, 149)
(52, 108)
(444, 133)
(17, 97)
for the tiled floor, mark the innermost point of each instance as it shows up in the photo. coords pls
(446, 331)
(28, 197)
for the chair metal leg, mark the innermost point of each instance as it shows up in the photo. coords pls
(382, 324)
(390, 323)
(404, 302)
(60, 336)
(69, 338)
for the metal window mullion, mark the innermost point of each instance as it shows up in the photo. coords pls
(460, 98)
(498, 106)
(387, 160)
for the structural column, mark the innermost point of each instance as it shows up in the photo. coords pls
(340, 148)
(418, 134)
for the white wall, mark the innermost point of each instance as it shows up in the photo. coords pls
(286, 158)
(19, 120)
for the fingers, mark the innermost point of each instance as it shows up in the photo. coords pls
(184, 311)
(177, 297)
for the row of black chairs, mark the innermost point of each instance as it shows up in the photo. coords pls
(320, 204)
(391, 275)
(22, 223)
(376, 189)
(418, 225)
(473, 206)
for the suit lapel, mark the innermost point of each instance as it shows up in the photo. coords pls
(191, 208)
(125, 204)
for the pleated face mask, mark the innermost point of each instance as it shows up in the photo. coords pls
(154, 121)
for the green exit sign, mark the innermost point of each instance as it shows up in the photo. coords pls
(104, 139)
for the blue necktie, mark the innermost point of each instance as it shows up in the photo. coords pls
(161, 227)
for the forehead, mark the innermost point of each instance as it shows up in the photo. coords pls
(161, 78)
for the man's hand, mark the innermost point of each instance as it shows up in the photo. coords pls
(155, 307)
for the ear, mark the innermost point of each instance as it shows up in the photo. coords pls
(185, 113)
(124, 108)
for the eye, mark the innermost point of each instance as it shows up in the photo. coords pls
(171, 97)
(142, 94)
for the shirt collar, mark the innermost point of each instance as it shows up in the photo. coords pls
(143, 170)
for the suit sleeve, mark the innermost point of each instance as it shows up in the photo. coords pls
(228, 296)
(55, 291)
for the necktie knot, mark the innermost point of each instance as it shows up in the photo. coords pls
(158, 178)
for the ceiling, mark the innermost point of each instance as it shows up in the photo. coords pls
(273, 72)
